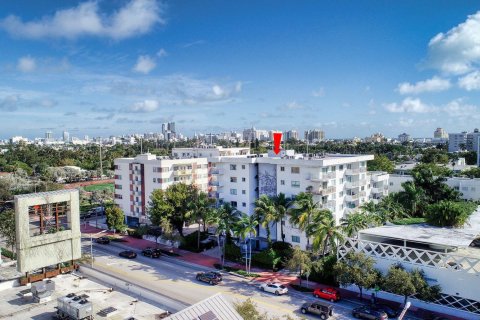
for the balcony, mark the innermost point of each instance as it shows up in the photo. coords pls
(329, 205)
(220, 195)
(362, 194)
(323, 177)
(351, 197)
(216, 171)
(324, 192)
(355, 184)
(186, 172)
(214, 183)
(352, 172)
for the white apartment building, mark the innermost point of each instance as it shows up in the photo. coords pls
(136, 178)
(338, 182)
(209, 152)
(469, 188)
(457, 141)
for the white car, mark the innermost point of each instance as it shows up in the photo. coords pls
(274, 287)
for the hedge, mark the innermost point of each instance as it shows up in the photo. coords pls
(9, 254)
(190, 242)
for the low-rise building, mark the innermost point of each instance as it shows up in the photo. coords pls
(136, 178)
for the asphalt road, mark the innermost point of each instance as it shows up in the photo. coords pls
(177, 281)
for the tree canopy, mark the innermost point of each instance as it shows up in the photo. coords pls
(380, 163)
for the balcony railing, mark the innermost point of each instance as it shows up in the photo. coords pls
(355, 171)
(183, 172)
(324, 191)
(213, 183)
(330, 205)
(216, 171)
(351, 197)
(355, 184)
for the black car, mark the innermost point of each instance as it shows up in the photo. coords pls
(208, 277)
(216, 274)
(152, 253)
(322, 309)
(475, 243)
(391, 313)
(103, 240)
(128, 254)
(367, 312)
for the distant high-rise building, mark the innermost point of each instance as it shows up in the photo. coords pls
(168, 130)
(291, 134)
(404, 137)
(440, 134)
(472, 140)
(457, 141)
(314, 135)
(48, 136)
(66, 136)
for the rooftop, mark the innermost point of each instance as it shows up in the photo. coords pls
(214, 308)
(14, 306)
(423, 233)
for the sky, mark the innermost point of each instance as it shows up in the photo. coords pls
(351, 68)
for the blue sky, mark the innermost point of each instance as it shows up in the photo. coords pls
(349, 67)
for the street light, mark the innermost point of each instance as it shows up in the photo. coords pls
(91, 245)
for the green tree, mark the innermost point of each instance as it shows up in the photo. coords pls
(303, 211)
(357, 269)
(471, 173)
(283, 206)
(354, 222)
(449, 213)
(424, 291)
(324, 230)
(400, 282)
(228, 216)
(299, 262)
(266, 213)
(434, 156)
(245, 228)
(412, 198)
(380, 163)
(115, 218)
(174, 203)
(7, 227)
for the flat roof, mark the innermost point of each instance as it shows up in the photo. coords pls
(423, 233)
(214, 307)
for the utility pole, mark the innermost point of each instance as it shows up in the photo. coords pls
(101, 162)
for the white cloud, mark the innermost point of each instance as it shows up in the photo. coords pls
(162, 53)
(144, 64)
(456, 108)
(144, 106)
(470, 82)
(26, 64)
(405, 122)
(434, 84)
(409, 105)
(9, 103)
(217, 90)
(319, 93)
(458, 50)
(294, 105)
(135, 18)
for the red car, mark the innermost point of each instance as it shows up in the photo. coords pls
(327, 294)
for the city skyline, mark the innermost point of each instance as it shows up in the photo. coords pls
(350, 69)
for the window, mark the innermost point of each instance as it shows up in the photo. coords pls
(118, 196)
(233, 179)
(243, 166)
(118, 177)
(295, 184)
(233, 204)
(295, 169)
(391, 183)
(233, 191)
(340, 167)
(157, 169)
(244, 192)
(154, 179)
(244, 204)
(233, 167)
(341, 180)
(296, 239)
(282, 182)
(115, 167)
(333, 168)
(243, 179)
(340, 194)
(282, 168)
(118, 186)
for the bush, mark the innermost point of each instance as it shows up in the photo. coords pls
(281, 246)
(9, 254)
(449, 213)
(268, 259)
(137, 232)
(236, 270)
(232, 252)
(322, 271)
(190, 242)
(408, 221)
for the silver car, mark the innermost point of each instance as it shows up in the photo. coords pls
(274, 287)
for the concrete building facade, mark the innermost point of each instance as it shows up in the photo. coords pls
(457, 141)
(136, 178)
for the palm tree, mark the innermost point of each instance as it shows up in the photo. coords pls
(246, 227)
(228, 216)
(302, 212)
(199, 208)
(282, 205)
(325, 231)
(265, 212)
(354, 222)
(412, 197)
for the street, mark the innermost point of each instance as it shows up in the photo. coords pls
(177, 281)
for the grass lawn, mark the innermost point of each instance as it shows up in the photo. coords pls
(407, 221)
(97, 187)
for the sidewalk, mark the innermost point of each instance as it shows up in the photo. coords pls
(209, 262)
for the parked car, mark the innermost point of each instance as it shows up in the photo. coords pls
(103, 240)
(208, 277)
(475, 243)
(322, 309)
(128, 254)
(367, 312)
(98, 211)
(327, 294)
(216, 274)
(391, 313)
(149, 252)
(274, 287)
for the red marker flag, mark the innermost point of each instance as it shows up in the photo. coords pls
(277, 138)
